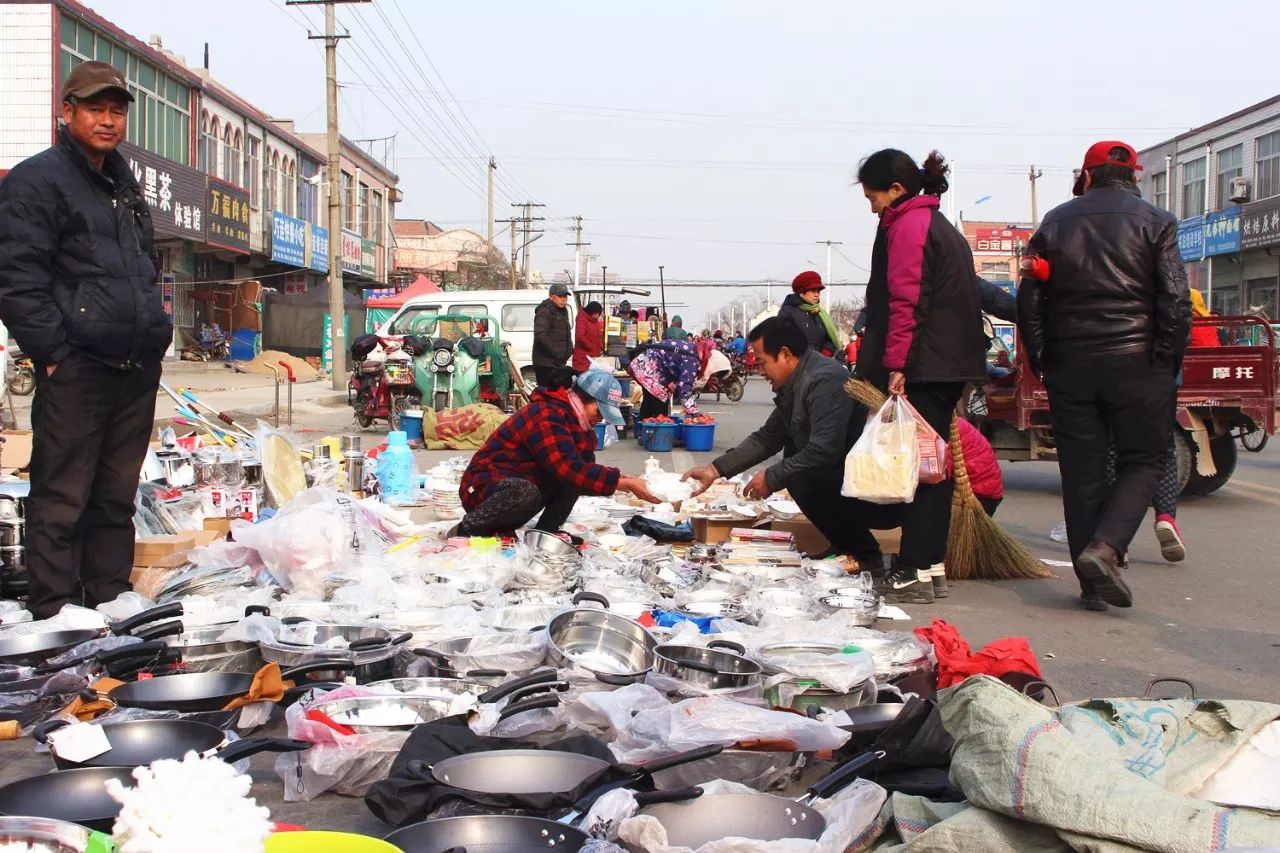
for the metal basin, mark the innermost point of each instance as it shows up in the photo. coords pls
(615, 649)
(707, 667)
(373, 714)
(372, 651)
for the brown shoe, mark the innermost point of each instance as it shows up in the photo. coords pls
(1100, 565)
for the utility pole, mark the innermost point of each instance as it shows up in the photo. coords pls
(828, 244)
(512, 222)
(577, 251)
(337, 309)
(1034, 175)
(528, 220)
(662, 290)
(493, 168)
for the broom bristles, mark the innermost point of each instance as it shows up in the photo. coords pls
(866, 394)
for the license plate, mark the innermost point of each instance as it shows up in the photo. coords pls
(394, 372)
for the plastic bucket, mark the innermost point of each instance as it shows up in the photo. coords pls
(411, 424)
(699, 436)
(639, 427)
(326, 842)
(660, 438)
(599, 428)
(679, 419)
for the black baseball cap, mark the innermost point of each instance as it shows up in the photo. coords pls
(93, 78)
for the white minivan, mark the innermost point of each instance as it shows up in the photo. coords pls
(513, 309)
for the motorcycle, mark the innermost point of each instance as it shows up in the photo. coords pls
(381, 389)
(726, 381)
(212, 344)
(20, 373)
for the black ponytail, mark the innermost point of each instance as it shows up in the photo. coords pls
(890, 166)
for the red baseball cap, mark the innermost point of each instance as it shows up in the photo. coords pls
(1099, 154)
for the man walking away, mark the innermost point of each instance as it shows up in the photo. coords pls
(78, 290)
(1106, 315)
(552, 343)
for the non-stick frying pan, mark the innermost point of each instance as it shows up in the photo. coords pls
(32, 649)
(135, 743)
(534, 771)
(200, 691)
(708, 817)
(77, 796)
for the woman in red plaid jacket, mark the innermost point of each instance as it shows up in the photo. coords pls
(544, 457)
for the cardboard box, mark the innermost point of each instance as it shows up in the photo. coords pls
(713, 530)
(15, 453)
(809, 540)
(218, 525)
(206, 537)
(148, 549)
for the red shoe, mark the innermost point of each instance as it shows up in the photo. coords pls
(1172, 548)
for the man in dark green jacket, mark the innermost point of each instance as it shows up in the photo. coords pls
(814, 424)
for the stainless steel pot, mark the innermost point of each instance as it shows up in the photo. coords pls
(372, 651)
(861, 606)
(614, 649)
(707, 667)
(507, 654)
(813, 694)
(202, 651)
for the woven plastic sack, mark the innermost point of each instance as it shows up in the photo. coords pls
(883, 467)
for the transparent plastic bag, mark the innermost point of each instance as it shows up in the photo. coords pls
(316, 534)
(883, 467)
(933, 449)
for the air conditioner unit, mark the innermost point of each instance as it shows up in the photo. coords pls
(1239, 189)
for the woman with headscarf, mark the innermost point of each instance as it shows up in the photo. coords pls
(676, 332)
(1202, 336)
(665, 371)
(803, 306)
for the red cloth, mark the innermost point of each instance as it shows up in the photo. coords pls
(980, 462)
(851, 350)
(956, 661)
(544, 444)
(1204, 336)
(588, 340)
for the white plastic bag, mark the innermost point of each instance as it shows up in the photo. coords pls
(884, 465)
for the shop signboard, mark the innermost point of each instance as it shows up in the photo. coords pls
(319, 249)
(350, 252)
(288, 239)
(1260, 224)
(410, 259)
(228, 217)
(167, 282)
(1191, 238)
(368, 258)
(295, 282)
(1222, 232)
(175, 193)
(1005, 240)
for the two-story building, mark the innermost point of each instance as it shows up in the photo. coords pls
(1222, 181)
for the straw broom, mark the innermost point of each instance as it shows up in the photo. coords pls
(977, 546)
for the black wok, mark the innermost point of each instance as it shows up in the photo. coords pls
(32, 649)
(200, 691)
(764, 817)
(507, 833)
(76, 796)
(136, 743)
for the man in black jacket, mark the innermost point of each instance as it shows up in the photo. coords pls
(814, 424)
(552, 339)
(1106, 317)
(78, 290)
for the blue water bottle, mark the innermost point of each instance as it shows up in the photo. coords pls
(396, 470)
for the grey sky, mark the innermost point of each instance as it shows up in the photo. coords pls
(730, 120)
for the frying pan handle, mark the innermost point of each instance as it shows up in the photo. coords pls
(172, 628)
(41, 732)
(670, 795)
(614, 680)
(136, 650)
(709, 751)
(245, 747)
(699, 666)
(485, 673)
(1146, 694)
(522, 693)
(439, 657)
(260, 609)
(529, 705)
(46, 668)
(591, 596)
(401, 639)
(368, 643)
(736, 648)
(129, 670)
(318, 666)
(842, 775)
(294, 620)
(542, 676)
(164, 611)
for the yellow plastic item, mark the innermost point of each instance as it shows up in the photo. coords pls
(327, 842)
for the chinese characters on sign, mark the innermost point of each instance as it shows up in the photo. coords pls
(1222, 232)
(1005, 240)
(295, 282)
(319, 249)
(411, 259)
(368, 258)
(175, 193)
(1240, 373)
(1191, 238)
(288, 239)
(350, 252)
(228, 217)
(1260, 224)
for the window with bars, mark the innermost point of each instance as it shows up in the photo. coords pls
(271, 201)
(1267, 166)
(348, 200)
(309, 192)
(365, 229)
(375, 219)
(160, 117)
(253, 169)
(1160, 190)
(228, 134)
(1193, 188)
(1230, 166)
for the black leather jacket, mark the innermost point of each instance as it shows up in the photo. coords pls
(1116, 282)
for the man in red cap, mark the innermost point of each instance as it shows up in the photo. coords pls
(1104, 310)
(803, 306)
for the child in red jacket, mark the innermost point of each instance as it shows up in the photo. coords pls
(980, 462)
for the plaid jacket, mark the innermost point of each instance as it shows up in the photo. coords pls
(544, 444)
